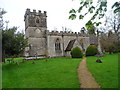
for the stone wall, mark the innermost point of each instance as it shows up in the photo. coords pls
(35, 32)
(37, 45)
(51, 46)
(65, 38)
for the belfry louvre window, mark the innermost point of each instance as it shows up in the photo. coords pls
(37, 20)
(57, 45)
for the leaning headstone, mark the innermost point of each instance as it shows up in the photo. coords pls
(9, 60)
(12, 60)
(98, 61)
(24, 59)
(36, 56)
(17, 62)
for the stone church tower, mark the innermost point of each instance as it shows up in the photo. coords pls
(35, 31)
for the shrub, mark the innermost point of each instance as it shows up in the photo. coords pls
(91, 50)
(76, 52)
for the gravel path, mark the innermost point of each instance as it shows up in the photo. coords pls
(85, 77)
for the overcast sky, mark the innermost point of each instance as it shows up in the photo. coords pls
(57, 12)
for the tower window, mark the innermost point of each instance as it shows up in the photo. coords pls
(37, 20)
(57, 45)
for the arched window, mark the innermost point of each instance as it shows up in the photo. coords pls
(57, 44)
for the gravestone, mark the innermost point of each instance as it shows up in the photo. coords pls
(98, 61)
(17, 62)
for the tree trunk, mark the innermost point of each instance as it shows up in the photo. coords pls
(3, 56)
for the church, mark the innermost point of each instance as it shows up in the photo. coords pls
(43, 43)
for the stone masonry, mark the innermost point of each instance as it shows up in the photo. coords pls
(43, 43)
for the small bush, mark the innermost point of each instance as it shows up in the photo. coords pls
(76, 52)
(91, 50)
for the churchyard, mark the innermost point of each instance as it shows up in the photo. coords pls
(43, 58)
(59, 72)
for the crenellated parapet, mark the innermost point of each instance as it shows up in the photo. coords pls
(34, 13)
(35, 18)
(64, 33)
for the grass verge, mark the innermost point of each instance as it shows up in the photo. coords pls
(105, 73)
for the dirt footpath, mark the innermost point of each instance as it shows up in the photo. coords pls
(85, 77)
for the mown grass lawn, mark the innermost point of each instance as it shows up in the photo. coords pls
(106, 73)
(54, 73)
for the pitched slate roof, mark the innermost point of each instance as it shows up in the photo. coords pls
(70, 45)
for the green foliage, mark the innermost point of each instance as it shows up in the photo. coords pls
(117, 10)
(91, 9)
(81, 17)
(79, 10)
(105, 9)
(98, 10)
(81, 2)
(103, 4)
(97, 24)
(72, 16)
(76, 52)
(13, 43)
(90, 27)
(91, 50)
(116, 5)
(72, 11)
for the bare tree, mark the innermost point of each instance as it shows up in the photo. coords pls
(2, 12)
(66, 29)
(109, 42)
(113, 22)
